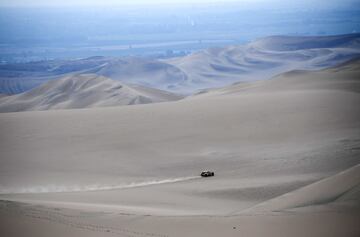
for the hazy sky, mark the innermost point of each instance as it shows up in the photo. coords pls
(30, 3)
(107, 2)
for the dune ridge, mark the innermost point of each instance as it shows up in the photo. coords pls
(83, 91)
(216, 67)
(322, 193)
(285, 152)
(262, 139)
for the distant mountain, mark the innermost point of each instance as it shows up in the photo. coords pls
(344, 77)
(82, 91)
(141, 71)
(291, 43)
(265, 58)
(17, 78)
(216, 67)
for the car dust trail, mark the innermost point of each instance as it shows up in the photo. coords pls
(92, 187)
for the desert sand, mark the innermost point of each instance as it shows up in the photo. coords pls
(285, 153)
(83, 91)
(211, 68)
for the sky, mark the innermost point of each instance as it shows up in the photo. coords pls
(59, 3)
(106, 2)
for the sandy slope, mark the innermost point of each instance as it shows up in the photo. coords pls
(288, 43)
(17, 78)
(341, 188)
(210, 68)
(129, 171)
(343, 76)
(82, 91)
(263, 59)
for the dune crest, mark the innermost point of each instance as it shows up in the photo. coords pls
(83, 91)
(334, 189)
(211, 68)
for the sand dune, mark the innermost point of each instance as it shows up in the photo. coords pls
(17, 78)
(288, 43)
(146, 72)
(296, 126)
(264, 59)
(340, 77)
(83, 91)
(285, 154)
(210, 68)
(89, 188)
(335, 189)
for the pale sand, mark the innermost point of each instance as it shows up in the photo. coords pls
(284, 154)
(210, 68)
(83, 91)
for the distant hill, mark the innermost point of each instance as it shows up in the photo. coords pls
(82, 91)
(216, 67)
(345, 77)
(265, 58)
(291, 43)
